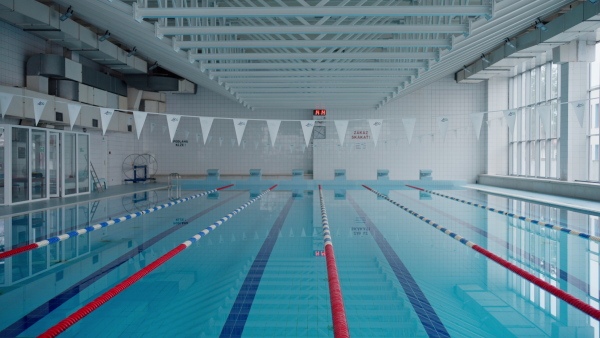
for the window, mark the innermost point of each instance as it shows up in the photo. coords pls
(593, 120)
(534, 143)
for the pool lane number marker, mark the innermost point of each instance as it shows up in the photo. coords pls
(97, 226)
(579, 304)
(338, 313)
(510, 214)
(96, 303)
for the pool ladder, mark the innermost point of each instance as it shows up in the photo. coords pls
(174, 186)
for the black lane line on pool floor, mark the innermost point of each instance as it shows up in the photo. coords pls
(431, 322)
(234, 325)
(44, 309)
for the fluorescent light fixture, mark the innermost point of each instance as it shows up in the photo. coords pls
(154, 66)
(132, 52)
(105, 36)
(67, 14)
(539, 24)
(484, 59)
(466, 69)
(508, 43)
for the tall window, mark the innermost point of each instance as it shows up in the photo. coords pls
(593, 134)
(534, 146)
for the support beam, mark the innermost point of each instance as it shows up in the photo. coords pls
(320, 90)
(307, 74)
(350, 11)
(315, 65)
(315, 84)
(320, 79)
(323, 29)
(439, 43)
(321, 56)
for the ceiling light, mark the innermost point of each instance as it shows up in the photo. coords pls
(508, 43)
(539, 24)
(67, 14)
(154, 66)
(484, 59)
(132, 52)
(105, 36)
(466, 69)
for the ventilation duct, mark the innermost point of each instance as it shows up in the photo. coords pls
(161, 84)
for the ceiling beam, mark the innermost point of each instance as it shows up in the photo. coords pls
(140, 13)
(440, 43)
(322, 29)
(308, 73)
(317, 79)
(324, 91)
(315, 65)
(322, 56)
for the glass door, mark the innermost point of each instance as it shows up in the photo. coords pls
(53, 164)
(20, 164)
(69, 165)
(39, 178)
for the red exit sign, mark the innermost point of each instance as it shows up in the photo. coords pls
(319, 112)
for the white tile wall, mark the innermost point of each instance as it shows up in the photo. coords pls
(459, 156)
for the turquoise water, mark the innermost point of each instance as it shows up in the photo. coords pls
(261, 274)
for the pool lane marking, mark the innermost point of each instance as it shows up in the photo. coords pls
(338, 313)
(236, 320)
(97, 226)
(571, 279)
(510, 214)
(38, 313)
(93, 305)
(570, 299)
(429, 319)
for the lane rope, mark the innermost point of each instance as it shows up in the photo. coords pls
(96, 303)
(338, 313)
(97, 226)
(510, 214)
(570, 299)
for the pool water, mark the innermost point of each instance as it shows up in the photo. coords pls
(263, 272)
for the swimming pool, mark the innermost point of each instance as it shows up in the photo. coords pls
(263, 273)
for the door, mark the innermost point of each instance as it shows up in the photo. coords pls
(54, 164)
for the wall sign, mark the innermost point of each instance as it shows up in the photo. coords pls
(361, 134)
(180, 143)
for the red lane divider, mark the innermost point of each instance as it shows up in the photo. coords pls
(338, 313)
(96, 303)
(570, 299)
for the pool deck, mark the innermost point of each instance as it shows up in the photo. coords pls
(111, 192)
(565, 202)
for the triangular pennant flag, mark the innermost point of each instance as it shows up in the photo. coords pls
(105, 116)
(172, 123)
(409, 127)
(443, 124)
(511, 118)
(74, 110)
(205, 124)
(273, 126)
(341, 126)
(477, 121)
(5, 102)
(139, 117)
(579, 108)
(307, 128)
(544, 112)
(38, 108)
(375, 129)
(240, 126)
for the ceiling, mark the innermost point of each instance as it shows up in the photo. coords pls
(359, 54)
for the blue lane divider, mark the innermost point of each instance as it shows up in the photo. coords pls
(510, 214)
